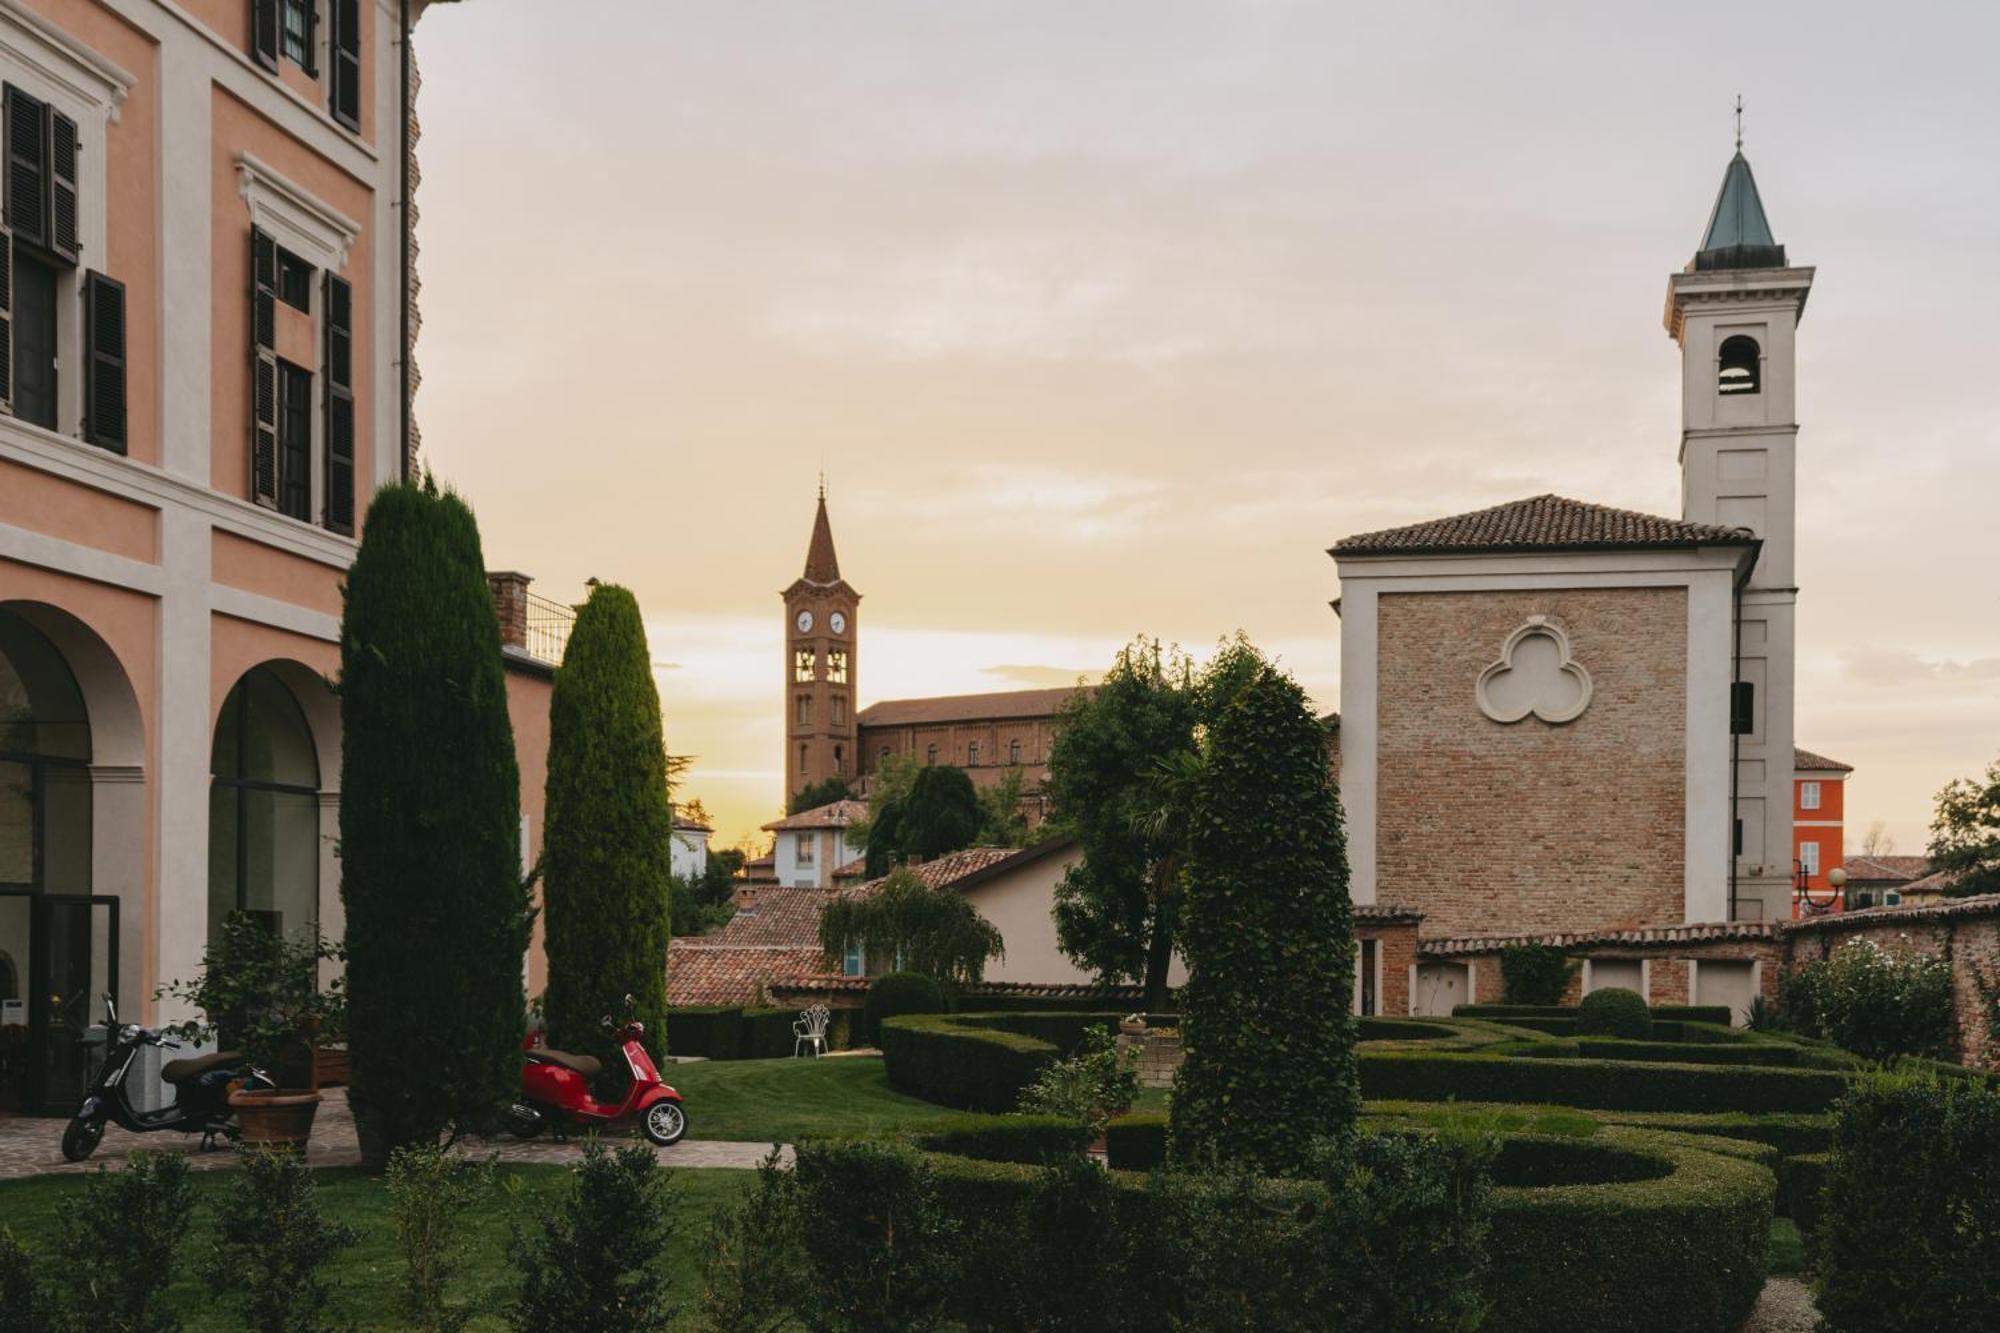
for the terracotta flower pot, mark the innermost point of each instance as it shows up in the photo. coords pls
(275, 1119)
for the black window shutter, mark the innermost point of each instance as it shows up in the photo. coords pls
(27, 168)
(62, 187)
(345, 92)
(264, 369)
(1742, 708)
(104, 361)
(337, 366)
(264, 33)
(6, 320)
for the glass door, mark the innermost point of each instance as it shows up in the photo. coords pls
(16, 930)
(77, 948)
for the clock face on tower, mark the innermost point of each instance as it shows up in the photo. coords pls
(805, 622)
(838, 623)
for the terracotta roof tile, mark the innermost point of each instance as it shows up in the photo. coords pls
(1647, 935)
(1893, 869)
(788, 916)
(1985, 904)
(838, 814)
(701, 971)
(965, 707)
(1542, 522)
(1817, 763)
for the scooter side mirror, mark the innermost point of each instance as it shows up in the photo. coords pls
(630, 1003)
(605, 1022)
(110, 1011)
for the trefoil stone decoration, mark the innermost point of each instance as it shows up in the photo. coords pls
(1535, 676)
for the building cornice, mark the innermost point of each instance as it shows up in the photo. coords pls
(293, 213)
(62, 60)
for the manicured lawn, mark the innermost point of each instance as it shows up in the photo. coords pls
(776, 1101)
(366, 1278)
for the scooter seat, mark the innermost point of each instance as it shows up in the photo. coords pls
(586, 1065)
(193, 1067)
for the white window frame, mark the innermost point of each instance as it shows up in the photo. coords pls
(1809, 857)
(802, 849)
(1809, 796)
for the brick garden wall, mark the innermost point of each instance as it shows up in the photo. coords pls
(1494, 829)
(1966, 931)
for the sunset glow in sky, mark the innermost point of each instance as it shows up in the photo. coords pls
(1107, 317)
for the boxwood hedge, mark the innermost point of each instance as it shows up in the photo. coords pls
(1718, 1014)
(1617, 1085)
(730, 1032)
(978, 1062)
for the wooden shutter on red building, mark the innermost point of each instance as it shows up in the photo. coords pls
(104, 362)
(6, 320)
(27, 168)
(264, 33)
(344, 93)
(263, 369)
(337, 367)
(62, 187)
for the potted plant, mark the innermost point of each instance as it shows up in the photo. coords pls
(1096, 1085)
(259, 992)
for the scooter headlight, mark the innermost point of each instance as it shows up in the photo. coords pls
(129, 1032)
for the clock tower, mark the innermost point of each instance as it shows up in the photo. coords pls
(820, 667)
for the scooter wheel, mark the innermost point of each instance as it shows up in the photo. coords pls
(80, 1140)
(524, 1122)
(665, 1123)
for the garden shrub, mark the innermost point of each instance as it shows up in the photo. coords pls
(118, 1241)
(901, 993)
(1684, 1251)
(1878, 1004)
(1802, 1191)
(1538, 1160)
(1614, 1012)
(711, 1031)
(1092, 1085)
(1402, 1029)
(766, 1034)
(607, 837)
(1718, 1014)
(1909, 1234)
(979, 1062)
(1790, 1134)
(880, 1249)
(272, 1241)
(26, 1304)
(430, 1190)
(1614, 1085)
(1267, 930)
(596, 1263)
(755, 1266)
(1535, 974)
(1771, 1055)
(430, 831)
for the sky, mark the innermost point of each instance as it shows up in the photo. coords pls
(1108, 317)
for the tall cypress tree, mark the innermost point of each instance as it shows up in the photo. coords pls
(608, 840)
(430, 826)
(1268, 932)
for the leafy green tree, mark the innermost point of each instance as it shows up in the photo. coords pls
(935, 932)
(1002, 821)
(1268, 932)
(430, 828)
(824, 792)
(1122, 781)
(939, 813)
(1965, 833)
(608, 837)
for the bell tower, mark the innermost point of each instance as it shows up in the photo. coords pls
(1735, 313)
(820, 666)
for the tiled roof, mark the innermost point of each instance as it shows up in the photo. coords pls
(1105, 997)
(1817, 763)
(1937, 882)
(1894, 869)
(702, 971)
(1863, 918)
(961, 870)
(1544, 523)
(1648, 935)
(855, 869)
(1385, 912)
(775, 916)
(965, 707)
(839, 814)
(822, 565)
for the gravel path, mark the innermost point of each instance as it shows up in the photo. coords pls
(31, 1146)
(1785, 1307)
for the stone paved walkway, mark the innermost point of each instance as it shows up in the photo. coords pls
(30, 1146)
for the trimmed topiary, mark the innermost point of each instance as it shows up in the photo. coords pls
(437, 914)
(1268, 933)
(901, 993)
(1614, 1012)
(1535, 974)
(608, 845)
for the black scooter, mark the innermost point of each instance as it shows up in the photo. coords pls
(201, 1092)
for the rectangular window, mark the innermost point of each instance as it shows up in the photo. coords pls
(297, 33)
(295, 278)
(1013, 752)
(1742, 708)
(1809, 857)
(972, 754)
(839, 709)
(805, 710)
(853, 965)
(804, 855)
(1808, 796)
(805, 665)
(836, 667)
(1369, 1000)
(34, 341)
(294, 441)
(930, 754)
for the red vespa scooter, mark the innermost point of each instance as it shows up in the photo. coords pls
(555, 1090)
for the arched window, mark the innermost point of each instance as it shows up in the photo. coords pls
(930, 755)
(972, 754)
(1014, 751)
(263, 809)
(839, 762)
(1739, 366)
(44, 767)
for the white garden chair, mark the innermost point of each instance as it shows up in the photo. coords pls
(809, 1033)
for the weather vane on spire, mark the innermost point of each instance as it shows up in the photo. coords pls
(1739, 122)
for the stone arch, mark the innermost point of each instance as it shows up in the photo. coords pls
(117, 726)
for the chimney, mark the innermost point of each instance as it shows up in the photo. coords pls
(510, 603)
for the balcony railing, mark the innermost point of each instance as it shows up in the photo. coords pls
(547, 629)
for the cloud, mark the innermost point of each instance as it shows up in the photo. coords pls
(1039, 677)
(1901, 666)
